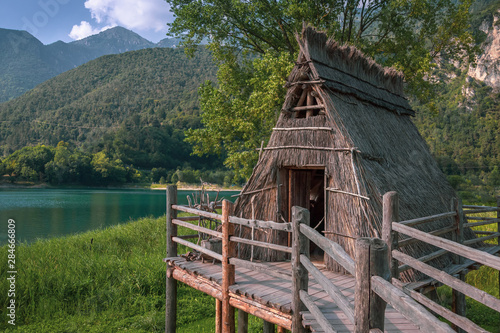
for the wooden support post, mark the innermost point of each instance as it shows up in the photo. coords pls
(371, 260)
(218, 316)
(228, 273)
(458, 299)
(242, 321)
(300, 279)
(362, 287)
(310, 102)
(379, 266)
(498, 239)
(267, 327)
(171, 283)
(390, 237)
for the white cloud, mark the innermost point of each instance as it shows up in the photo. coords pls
(131, 14)
(85, 29)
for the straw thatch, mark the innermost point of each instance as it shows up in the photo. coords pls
(370, 147)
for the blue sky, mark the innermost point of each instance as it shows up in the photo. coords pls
(67, 20)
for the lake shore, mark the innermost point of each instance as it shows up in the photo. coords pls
(181, 187)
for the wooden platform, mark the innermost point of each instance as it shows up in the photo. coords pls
(269, 297)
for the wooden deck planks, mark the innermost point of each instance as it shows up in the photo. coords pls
(276, 293)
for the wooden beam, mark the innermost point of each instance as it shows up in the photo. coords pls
(218, 316)
(197, 228)
(405, 305)
(171, 282)
(460, 321)
(462, 250)
(391, 214)
(426, 219)
(267, 327)
(197, 212)
(261, 224)
(362, 287)
(316, 312)
(208, 252)
(271, 246)
(329, 129)
(451, 281)
(379, 267)
(331, 289)
(228, 272)
(482, 210)
(334, 250)
(242, 321)
(300, 279)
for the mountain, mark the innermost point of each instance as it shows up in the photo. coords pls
(462, 122)
(135, 103)
(26, 62)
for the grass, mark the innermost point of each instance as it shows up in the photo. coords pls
(109, 280)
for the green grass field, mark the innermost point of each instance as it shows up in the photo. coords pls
(113, 280)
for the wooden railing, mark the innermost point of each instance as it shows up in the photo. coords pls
(371, 270)
(462, 255)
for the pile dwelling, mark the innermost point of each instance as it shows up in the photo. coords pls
(346, 222)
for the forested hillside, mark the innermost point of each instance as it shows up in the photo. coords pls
(135, 106)
(26, 62)
(462, 122)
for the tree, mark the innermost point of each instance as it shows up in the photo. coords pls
(254, 45)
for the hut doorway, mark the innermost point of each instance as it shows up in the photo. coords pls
(304, 187)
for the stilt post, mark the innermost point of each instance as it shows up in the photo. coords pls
(267, 327)
(300, 280)
(228, 272)
(218, 316)
(242, 321)
(171, 283)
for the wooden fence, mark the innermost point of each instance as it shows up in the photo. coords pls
(371, 269)
(462, 254)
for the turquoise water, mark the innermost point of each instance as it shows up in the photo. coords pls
(44, 213)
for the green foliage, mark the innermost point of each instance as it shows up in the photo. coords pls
(62, 165)
(463, 134)
(133, 105)
(239, 113)
(28, 163)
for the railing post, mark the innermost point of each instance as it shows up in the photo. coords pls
(228, 273)
(498, 230)
(171, 283)
(371, 260)
(300, 280)
(458, 299)
(390, 237)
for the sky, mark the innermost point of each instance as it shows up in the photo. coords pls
(68, 20)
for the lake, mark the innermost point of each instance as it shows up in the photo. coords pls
(44, 213)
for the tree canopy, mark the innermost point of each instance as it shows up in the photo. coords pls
(254, 44)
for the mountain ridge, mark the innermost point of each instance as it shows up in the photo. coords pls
(26, 62)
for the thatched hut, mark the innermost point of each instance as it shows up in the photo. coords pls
(343, 139)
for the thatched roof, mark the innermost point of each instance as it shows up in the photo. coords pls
(368, 146)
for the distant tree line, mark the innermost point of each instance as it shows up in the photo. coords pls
(65, 165)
